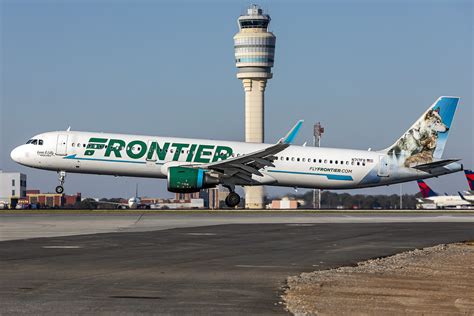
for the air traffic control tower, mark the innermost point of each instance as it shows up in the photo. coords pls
(254, 49)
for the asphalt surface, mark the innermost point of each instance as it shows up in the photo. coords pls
(23, 225)
(221, 269)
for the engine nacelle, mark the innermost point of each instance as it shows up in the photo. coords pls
(188, 180)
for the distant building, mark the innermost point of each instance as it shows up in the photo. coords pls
(179, 204)
(34, 197)
(216, 197)
(187, 196)
(12, 184)
(285, 204)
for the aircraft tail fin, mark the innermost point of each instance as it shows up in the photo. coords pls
(470, 178)
(425, 140)
(425, 190)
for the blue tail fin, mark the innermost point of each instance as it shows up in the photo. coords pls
(425, 140)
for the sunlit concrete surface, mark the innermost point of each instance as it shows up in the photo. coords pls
(22, 226)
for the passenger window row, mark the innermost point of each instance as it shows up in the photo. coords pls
(314, 160)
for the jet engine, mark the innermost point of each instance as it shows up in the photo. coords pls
(187, 180)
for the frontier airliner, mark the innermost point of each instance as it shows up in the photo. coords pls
(190, 165)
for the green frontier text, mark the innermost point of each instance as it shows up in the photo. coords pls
(154, 150)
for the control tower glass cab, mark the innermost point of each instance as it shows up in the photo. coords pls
(254, 45)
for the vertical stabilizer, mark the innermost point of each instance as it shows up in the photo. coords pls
(425, 190)
(470, 178)
(425, 140)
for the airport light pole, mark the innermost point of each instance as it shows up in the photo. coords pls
(318, 131)
(401, 197)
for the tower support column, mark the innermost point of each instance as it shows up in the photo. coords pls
(254, 132)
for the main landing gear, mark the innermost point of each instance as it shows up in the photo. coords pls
(233, 199)
(61, 177)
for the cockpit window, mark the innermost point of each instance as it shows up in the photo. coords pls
(35, 142)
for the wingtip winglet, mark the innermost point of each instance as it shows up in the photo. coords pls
(289, 138)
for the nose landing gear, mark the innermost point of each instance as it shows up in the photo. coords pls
(61, 177)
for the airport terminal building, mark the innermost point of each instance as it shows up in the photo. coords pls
(12, 184)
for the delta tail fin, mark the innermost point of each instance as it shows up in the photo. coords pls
(425, 190)
(470, 178)
(425, 140)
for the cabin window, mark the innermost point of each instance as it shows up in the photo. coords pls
(320, 160)
(297, 159)
(358, 163)
(363, 164)
(303, 159)
(347, 162)
(287, 158)
(325, 161)
(292, 158)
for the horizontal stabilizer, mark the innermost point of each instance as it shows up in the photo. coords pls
(426, 167)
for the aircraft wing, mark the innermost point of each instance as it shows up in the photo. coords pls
(243, 167)
(427, 167)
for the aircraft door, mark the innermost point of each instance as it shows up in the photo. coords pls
(384, 166)
(61, 145)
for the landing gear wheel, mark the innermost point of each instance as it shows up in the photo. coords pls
(59, 189)
(61, 178)
(232, 200)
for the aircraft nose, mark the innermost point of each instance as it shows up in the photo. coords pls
(17, 154)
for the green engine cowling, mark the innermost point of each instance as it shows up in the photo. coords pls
(187, 180)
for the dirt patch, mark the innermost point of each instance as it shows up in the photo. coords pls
(436, 280)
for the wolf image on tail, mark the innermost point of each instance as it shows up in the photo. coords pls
(420, 144)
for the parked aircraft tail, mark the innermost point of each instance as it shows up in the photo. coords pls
(470, 178)
(425, 190)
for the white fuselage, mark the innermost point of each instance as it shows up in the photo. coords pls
(150, 156)
(443, 201)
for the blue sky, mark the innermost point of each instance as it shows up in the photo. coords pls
(365, 69)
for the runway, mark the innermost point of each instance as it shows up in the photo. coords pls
(193, 263)
(20, 226)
